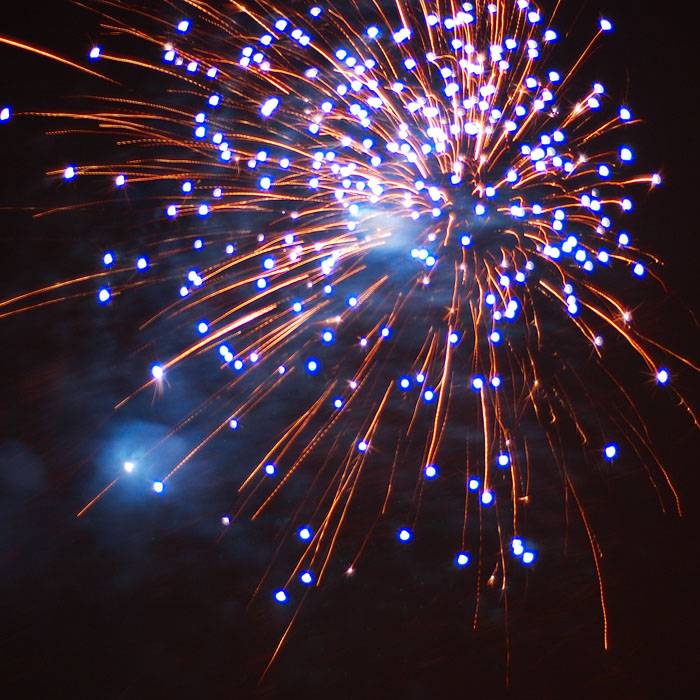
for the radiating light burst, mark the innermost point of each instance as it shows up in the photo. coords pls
(404, 213)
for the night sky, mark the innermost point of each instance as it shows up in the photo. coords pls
(141, 599)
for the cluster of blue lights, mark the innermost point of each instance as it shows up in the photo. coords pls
(526, 556)
(371, 143)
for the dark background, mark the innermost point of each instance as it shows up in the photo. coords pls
(139, 599)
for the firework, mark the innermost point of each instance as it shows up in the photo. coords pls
(389, 228)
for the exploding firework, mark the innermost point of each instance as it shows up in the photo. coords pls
(390, 229)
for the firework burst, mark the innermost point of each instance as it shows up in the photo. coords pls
(387, 226)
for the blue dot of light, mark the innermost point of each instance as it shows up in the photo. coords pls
(405, 535)
(610, 451)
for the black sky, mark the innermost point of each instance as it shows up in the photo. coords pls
(139, 600)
